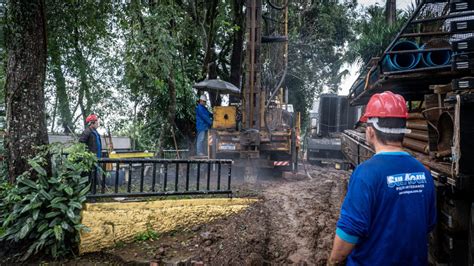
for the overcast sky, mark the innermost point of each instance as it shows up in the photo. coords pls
(347, 82)
(401, 4)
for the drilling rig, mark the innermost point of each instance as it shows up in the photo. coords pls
(260, 130)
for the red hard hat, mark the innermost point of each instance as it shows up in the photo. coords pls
(91, 118)
(385, 104)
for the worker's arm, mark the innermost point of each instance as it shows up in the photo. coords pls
(340, 250)
(84, 138)
(355, 216)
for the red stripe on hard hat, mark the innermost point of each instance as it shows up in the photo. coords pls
(386, 104)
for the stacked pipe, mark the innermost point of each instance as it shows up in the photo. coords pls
(417, 139)
(418, 58)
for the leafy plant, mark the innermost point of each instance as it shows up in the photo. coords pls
(44, 213)
(149, 234)
(373, 34)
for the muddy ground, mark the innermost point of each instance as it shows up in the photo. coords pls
(293, 223)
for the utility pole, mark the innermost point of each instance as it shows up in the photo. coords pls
(391, 12)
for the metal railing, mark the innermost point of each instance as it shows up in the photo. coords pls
(159, 177)
(175, 154)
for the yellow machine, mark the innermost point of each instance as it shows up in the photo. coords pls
(224, 117)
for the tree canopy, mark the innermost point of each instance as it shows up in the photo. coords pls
(134, 62)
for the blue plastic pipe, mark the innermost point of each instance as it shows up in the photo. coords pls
(403, 61)
(438, 58)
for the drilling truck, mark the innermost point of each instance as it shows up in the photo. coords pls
(260, 130)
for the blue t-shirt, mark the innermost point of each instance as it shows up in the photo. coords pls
(388, 211)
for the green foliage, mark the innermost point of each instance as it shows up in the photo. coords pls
(156, 50)
(149, 234)
(373, 34)
(318, 34)
(44, 214)
(83, 68)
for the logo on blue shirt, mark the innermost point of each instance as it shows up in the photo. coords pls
(399, 180)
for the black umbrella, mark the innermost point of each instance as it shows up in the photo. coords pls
(217, 85)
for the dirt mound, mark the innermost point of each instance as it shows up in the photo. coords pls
(238, 240)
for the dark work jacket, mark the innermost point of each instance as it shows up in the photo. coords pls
(92, 139)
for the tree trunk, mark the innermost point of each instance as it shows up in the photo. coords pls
(61, 94)
(24, 89)
(84, 90)
(172, 97)
(167, 128)
(391, 11)
(237, 47)
(209, 63)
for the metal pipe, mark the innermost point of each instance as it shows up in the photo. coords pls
(117, 166)
(142, 177)
(415, 116)
(218, 176)
(416, 145)
(165, 181)
(153, 180)
(229, 177)
(102, 175)
(417, 124)
(187, 176)
(208, 175)
(198, 179)
(444, 153)
(420, 51)
(94, 181)
(129, 187)
(456, 15)
(176, 176)
(418, 135)
(420, 69)
(432, 34)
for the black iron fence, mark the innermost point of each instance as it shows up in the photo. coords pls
(160, 177)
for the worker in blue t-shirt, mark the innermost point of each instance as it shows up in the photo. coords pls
(203, 123)
(389, 209)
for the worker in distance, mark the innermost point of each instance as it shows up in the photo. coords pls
(91, 137)
(203, 123)
(389, 208)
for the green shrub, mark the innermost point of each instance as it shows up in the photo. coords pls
(149, 234)
(43, 214)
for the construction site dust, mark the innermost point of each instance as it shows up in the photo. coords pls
(292, 223)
